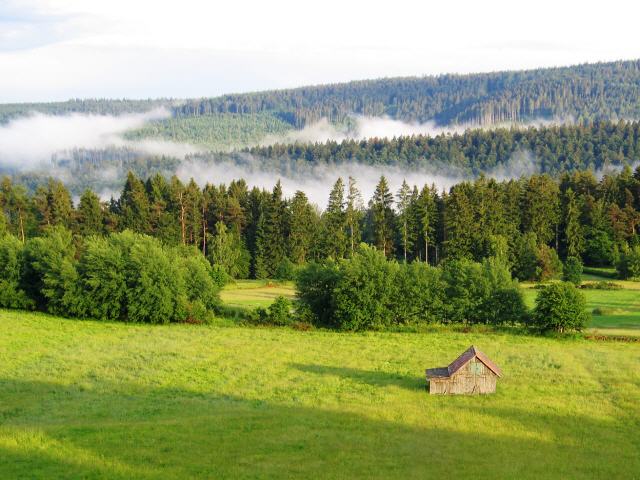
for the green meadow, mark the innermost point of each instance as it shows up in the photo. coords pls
(89, 399)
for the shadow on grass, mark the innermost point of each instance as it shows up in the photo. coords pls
(127, 431)
(375, 378)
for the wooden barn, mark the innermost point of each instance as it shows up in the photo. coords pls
(472, 372)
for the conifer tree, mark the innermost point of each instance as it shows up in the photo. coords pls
(353, 215)
(303, 225)
(402, 204)
(382, 217)
(573, 230)
(334, 220)
(90, 214)
(134, 205)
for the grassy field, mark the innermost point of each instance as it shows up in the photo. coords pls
(617, 311)
(85, 399)
(255, 293)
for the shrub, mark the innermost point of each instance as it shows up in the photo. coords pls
(601, 285)
(198, 278)
(286, 270)
(49, 277)
(629, 265)
(560, 307)
(572, 271)
(315, 284)
(11, 267)
(422, 292)
(504, 306)
(549, 265)
(278, 313)
(599, 249)
(466, 289)
(154, 284)
(102, 277)
(366, 290)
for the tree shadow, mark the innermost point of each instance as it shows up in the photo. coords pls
(49, 430)
(375, 378)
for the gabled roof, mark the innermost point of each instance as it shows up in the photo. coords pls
(461, 361)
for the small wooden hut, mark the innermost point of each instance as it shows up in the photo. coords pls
(472, 372)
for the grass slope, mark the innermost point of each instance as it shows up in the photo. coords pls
(85, 399)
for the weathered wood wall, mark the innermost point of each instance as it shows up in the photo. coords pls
(474, 377)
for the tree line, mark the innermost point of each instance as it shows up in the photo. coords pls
(515, 151)
(256, 233)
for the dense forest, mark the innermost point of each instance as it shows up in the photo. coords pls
(96, 106)
(601, 91)
(217, 131)
(161, 251)
(258, 233)
(554, 149)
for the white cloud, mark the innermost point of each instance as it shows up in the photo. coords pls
(197, 47)
(29, 142)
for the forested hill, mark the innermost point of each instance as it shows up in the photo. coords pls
(102, 106)
(602, 91)
(590, 92)
(553, 149)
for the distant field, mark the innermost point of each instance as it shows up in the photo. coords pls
(620, 309)
(86, 399)
(249, 294)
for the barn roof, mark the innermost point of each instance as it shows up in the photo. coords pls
(461, 361)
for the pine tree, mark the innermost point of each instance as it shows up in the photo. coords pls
(303, 225)
(573, 231)
(275, 231)
(382, 217)
(134, 205)
(334, 221)
(402, 204)
(90, 214)
(353, 214)
(428, 212)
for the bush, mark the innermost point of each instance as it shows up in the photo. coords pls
(286, 270)
(466, 289)
(599, 249)
(366, 291)
(102, 276)
(549, 265)
(504, 306)
(278, 313)
(560, 307)
(422, 292)
(629, 265)
(49, 273)
(601, 285)
(572, 271)
(535, 262)
(315, 284)
(11, 267)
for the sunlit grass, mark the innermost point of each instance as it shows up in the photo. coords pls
(249, 294)
(85, 399)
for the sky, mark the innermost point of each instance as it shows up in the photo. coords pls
(60, 49)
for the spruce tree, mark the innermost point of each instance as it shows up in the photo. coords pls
(90, 215)
(573, 230)
(134, 205)
(382, 217)
(353, 215)
(402, 204)
(334, 221)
